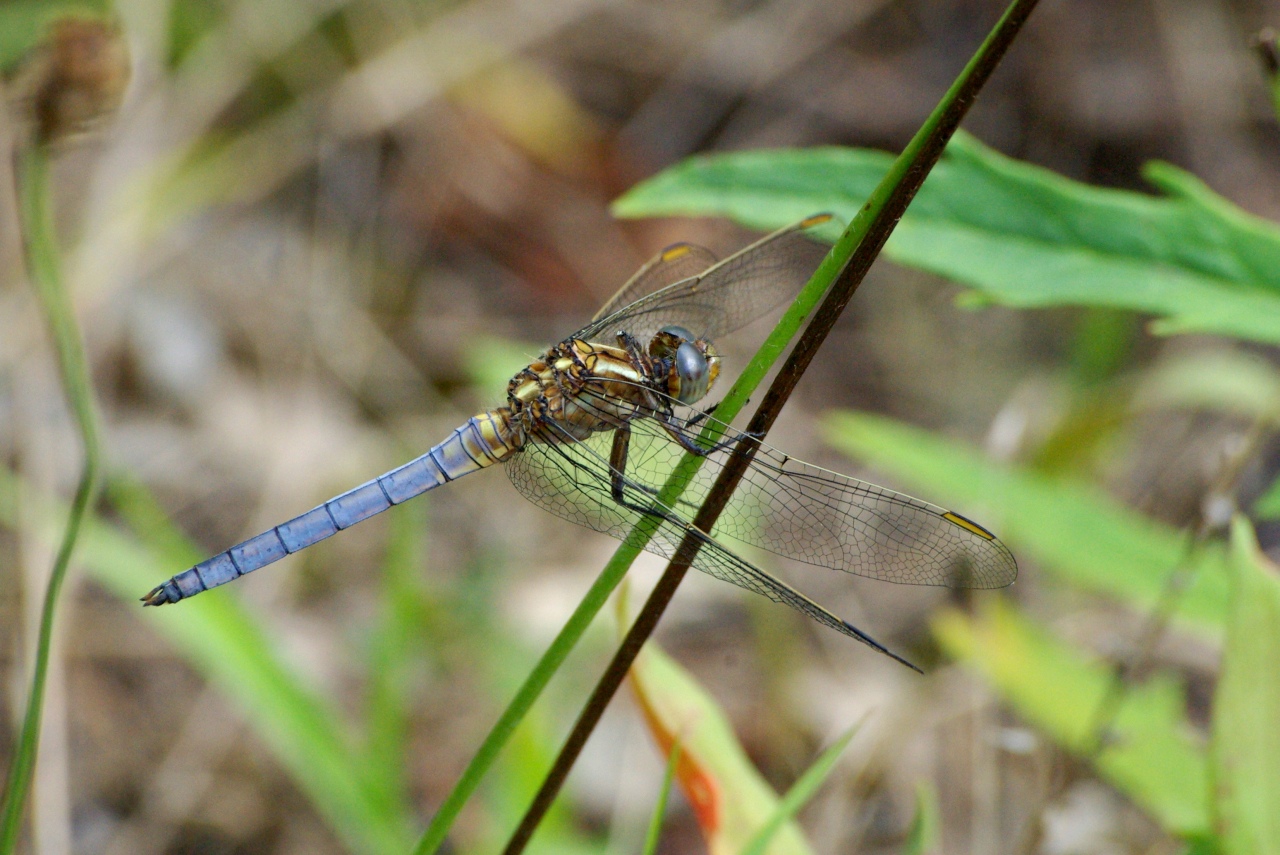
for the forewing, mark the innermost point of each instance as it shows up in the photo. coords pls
(724, 297)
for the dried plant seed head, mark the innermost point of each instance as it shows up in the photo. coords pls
(72, 81)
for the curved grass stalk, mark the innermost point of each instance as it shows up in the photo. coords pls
(654, 831)
(44, 268)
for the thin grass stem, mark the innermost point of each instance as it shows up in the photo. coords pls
(654, 832)
(45, 270)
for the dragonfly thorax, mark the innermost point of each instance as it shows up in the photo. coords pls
(579, 387)
(685, 364)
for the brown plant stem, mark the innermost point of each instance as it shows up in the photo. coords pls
(920, 156)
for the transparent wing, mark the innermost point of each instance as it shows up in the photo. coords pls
(677, 262)
(810, 514)
(728, 295)
(572, 479)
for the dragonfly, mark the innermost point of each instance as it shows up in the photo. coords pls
(592, 429)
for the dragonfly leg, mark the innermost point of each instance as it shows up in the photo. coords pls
(702, 415)
(618, 463)
(618, 478)
(693, 448)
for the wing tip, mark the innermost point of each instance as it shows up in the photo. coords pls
(878, 647)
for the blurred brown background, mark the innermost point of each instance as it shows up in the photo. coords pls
(385, 206)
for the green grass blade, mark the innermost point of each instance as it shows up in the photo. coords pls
(660, 809)
(799, 795)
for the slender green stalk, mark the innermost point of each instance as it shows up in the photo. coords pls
(799, 795)
(847, 264)
(660, 809)
(597, 595)
(615, 570)
(44, 268)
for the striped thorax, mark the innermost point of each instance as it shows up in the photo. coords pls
(586, 387)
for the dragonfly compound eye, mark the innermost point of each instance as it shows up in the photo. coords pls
(667, 341)
(691, 373)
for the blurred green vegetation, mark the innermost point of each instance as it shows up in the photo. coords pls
(1018, 234)
(23, 24)
(1027, 238)
(248, 108)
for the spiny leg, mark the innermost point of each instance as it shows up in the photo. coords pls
(707, 413)
(691, 446)
(618, 482)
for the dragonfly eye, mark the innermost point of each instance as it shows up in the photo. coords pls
(691, 374)
(668, 340)
(678, 331)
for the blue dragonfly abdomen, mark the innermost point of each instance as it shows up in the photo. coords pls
(482, 441)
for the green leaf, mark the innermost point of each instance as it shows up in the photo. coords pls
(1069, 528)
(923, 835)
(1246, 709)
(1022, 235)
(1153, 757)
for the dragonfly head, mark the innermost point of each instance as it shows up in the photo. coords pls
(692, 364)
